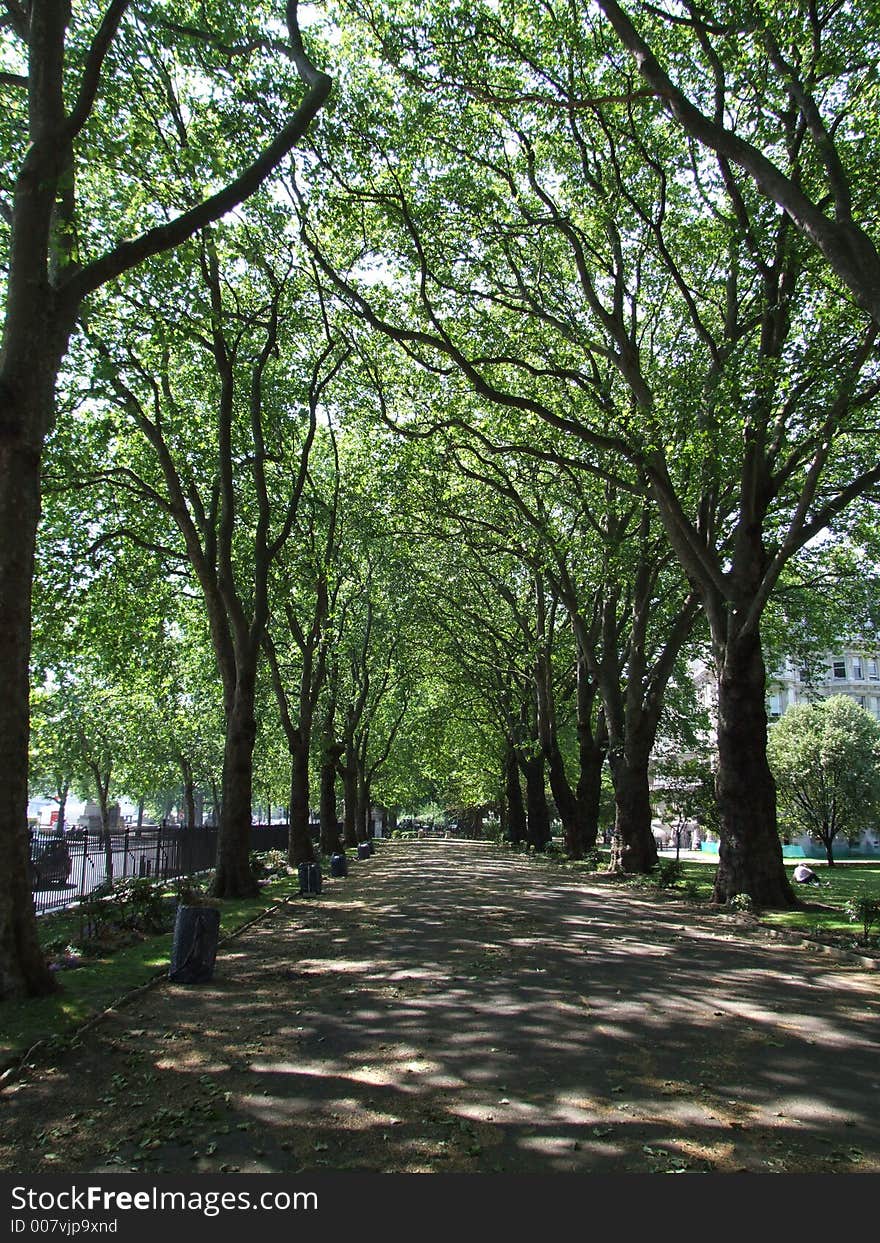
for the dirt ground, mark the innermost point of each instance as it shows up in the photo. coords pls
(451, 1007)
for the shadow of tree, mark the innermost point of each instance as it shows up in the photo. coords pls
(451, 1007)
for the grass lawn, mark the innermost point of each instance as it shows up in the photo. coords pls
(837, 885)
(847, 879)
(100, 981)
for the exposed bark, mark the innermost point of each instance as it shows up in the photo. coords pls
(300, 848)
(63, 793)
(633, 848)
(574, 830)
(363, 821)
(189, 798)
(349, 773)
(516, 829)
(28, 370)
(330, 756)
(537, 813)
(750, 853)
(592, 749)
(570, 811)
(234, 877)
(102, 785)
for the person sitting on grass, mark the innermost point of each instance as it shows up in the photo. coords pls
(805, 876)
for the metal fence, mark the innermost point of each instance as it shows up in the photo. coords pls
(63, 870)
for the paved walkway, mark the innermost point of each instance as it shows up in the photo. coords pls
(451, 1007)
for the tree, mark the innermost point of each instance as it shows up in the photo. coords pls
(598, 270)
(78, 219)
(825, 757)
(811, 70)
(227, 406)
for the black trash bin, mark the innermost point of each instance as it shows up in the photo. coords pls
(338, 865)
(364, 851)
(309, 878)
(194, 948)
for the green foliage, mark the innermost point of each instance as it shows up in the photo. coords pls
(668, 873)
(825, 757)
(268, 863)
(741, 903)
(864, 910)
(118, 910)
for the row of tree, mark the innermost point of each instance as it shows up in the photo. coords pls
(550, 350)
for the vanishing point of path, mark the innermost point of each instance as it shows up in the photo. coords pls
(452, 1007)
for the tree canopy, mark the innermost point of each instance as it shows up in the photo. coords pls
(402, 428)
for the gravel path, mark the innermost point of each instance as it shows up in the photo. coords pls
(452, 1007)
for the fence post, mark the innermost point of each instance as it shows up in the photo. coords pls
(125, 853)
(157, 869)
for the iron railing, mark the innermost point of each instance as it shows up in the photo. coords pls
(64, 870)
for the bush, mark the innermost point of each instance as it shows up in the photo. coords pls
(865, 911)
(592, 859)
(147, 906)
(691, 890)
(669, 872)
(741, 902)
(135, 904)
(266, 863)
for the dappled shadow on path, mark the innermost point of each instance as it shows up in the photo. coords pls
(454, 1007)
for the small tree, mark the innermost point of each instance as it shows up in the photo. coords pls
(687, 788)
(825, 757)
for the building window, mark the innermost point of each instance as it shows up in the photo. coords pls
(838, 669)
(775, 703)
(857, 668)
(873, 670)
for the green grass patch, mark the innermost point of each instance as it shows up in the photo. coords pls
(100, 981)
(848, 879)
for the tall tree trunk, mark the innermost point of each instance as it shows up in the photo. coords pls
(62, 810)
(189, 800)
(23, 419)
(592, 749)
(573, 828)
(634, 848)
(350, 792)
(750, 852)
(216, 803)
(140, 816)
(537, 813)
(103, 787)
(563, 795)
(363, 808)
(515, 812)
(300, 848)
(330, 756)
(234, 877)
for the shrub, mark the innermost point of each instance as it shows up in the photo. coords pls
(135, 904)
(865, 911)
(669, 872)
(691, 890)
(741, 902)
(145, 898)
(266, 863)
